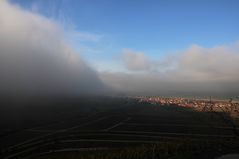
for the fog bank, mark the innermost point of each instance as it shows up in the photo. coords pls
(36, 60)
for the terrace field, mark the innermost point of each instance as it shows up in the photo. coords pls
(116, 127)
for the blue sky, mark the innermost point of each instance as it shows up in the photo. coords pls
(100, 29)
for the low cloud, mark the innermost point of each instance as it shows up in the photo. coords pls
(217, 63)
(36, 60)
(195, 71)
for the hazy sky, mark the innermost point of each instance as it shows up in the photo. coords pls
(143, 46)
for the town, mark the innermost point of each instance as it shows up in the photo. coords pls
(228, 106)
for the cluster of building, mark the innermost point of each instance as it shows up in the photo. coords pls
(201, 104)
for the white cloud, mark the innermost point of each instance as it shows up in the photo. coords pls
(136, 61)
(139, 62)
